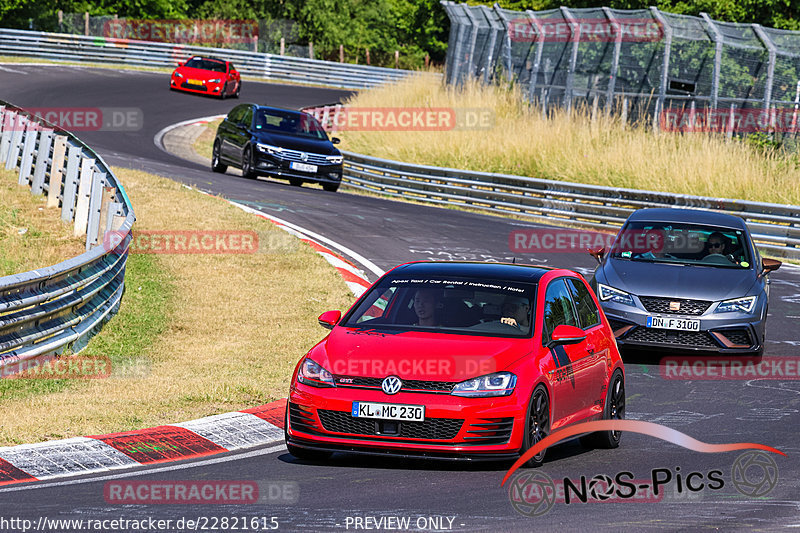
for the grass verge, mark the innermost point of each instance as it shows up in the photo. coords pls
(196, 334)
(31, 236)
(569, 146)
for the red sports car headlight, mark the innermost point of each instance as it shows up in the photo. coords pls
(177, 74)
(215, 80)
(497, 384)
(313, 374)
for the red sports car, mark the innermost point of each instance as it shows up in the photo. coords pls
(458, 360)
(207, 75)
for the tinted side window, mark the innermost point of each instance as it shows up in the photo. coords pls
(588, 315)
(558, 308)
(236, 114)
(247, 120)
(231, 68)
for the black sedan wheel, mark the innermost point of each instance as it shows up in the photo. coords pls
(216, 165)
(247, 164)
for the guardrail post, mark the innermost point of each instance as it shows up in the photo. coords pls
(612, 79)
(56, 170)
(28, 147)
(772, 49)
(575, 33)
(105, 214)
(16, 141)
(42, 161)
(662, 89)
(719, 41)
(473, 40)
(9, 117)
(537, 61)
(95, 205)
(71, 183)
(84, 194)
(492, 41)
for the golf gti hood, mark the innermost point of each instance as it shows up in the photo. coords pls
(677, 281)
(416, 355)
(294, 142)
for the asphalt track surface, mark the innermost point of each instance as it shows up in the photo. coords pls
(334, 495)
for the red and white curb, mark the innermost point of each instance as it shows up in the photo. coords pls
(103, 453)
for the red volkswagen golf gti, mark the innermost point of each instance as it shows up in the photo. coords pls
(457, 360)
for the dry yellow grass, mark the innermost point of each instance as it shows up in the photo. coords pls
(569, 147)
(237, 324)
(31, 236)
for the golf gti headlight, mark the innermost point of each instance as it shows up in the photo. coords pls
(497, 384)
(742, 305)
(606, 293)
(269, 148)
(313, 374)
(335, 159)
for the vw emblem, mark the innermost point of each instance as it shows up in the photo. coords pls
(304, 156)
(391, 385)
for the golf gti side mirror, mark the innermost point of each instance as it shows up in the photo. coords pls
(328, 319)
(335, 140)
(565, 334)
(768, 265)
(597, 253)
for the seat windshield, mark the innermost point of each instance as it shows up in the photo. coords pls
(689, 244)
(469, 306)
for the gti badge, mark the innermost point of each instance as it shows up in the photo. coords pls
(391, 385)
(674, 306)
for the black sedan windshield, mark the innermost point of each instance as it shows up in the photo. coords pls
(450, 305)
(691, 244)
(289, 123)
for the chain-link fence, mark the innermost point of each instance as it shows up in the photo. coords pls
(677, 72)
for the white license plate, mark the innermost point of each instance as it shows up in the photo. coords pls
(680, 324)
(389, 411)
(303, 167)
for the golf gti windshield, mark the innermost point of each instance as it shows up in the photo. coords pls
(452, 305)
(689, 244)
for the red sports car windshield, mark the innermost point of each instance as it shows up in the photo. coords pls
(469, 306)
(206, 64)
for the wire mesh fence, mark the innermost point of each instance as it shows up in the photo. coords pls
(675, 72)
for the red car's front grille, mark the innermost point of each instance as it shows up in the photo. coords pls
(194, 87)
(430, 429)
(410, 385)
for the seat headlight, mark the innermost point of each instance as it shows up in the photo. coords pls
(741, 305)
(497, 384)
(606, 293)
(314, 374)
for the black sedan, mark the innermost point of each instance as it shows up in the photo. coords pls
(685, 279)
(280, 143)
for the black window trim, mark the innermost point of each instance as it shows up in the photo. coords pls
(546, 334)
(575, 305)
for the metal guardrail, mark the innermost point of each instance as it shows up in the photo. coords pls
(64, 47)
(47, 310)
(775, 227)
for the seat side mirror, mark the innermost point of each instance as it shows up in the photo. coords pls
(769, 265)
(597, 253)
(565, 334)
(328, 319)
